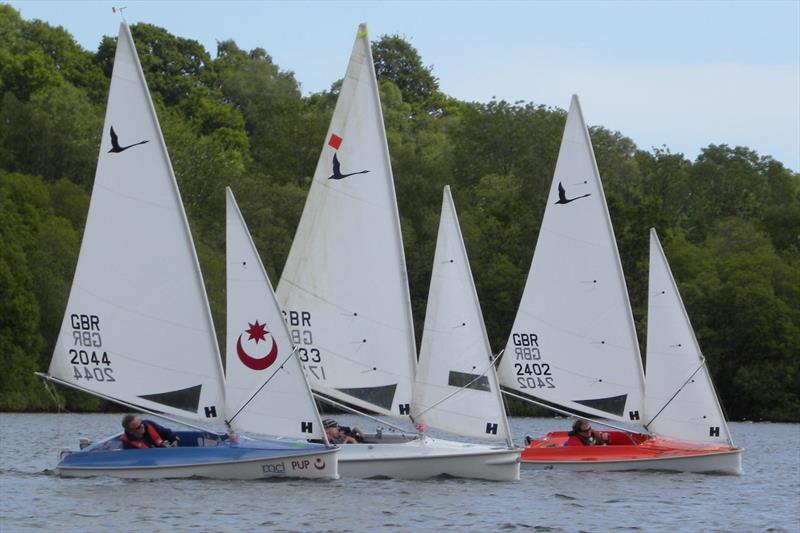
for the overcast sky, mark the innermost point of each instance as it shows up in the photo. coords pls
(675, 73)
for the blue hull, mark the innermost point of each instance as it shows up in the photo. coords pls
(205, 455)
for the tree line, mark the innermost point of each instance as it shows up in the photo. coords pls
(729, 220)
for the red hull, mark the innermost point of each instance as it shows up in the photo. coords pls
(624, 450)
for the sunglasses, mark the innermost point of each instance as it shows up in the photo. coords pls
(137, 428)
(584, 430)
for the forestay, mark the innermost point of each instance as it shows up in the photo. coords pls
(573, 342)
(344, 287)
(456, 387)
(266, 391)
(680, 400)
(137, 327)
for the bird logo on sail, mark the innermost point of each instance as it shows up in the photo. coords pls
(562, 195)
(115, 146)
(257, 332)
(335, 142)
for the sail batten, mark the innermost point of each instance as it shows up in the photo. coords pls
(573, 342)
(344, 287)
(138, 326)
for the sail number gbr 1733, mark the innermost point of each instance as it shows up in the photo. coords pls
(530, 371)
(300, 329)
(89, 361)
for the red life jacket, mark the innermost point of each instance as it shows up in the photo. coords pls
(141, 443)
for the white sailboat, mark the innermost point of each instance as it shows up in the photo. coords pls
(266, 390)
(344, 290)
(456, 389)
(137, 329)
(573, 346)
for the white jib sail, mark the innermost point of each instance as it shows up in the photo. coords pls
(137, 327)
(456, 387)
(573, 342)
(680, 398)
(344, 287)
(266, 391)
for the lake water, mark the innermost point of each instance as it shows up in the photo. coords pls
(765, 498)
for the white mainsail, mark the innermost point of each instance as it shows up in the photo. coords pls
(573, 343)
(266, 391)
(344, 288)
(680, 400)
(137, 327)
(456, 387)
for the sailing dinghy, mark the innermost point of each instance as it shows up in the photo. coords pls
(456, 387)
(137, 329)
(573, 346)
(344, 290)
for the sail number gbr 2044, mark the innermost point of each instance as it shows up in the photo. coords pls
(300, 329)
(89, 361)
(530, 371)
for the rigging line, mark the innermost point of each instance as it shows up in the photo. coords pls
(51, 390)
(503, 402)
(702, 364)
(357, 412)
(492, 361)
(126, 404)
(479, 376)
(228, 422)
(602, 422)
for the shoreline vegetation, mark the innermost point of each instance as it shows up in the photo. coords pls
(729, 221)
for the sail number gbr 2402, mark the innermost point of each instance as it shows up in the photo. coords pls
(89, 361)
(530, 371)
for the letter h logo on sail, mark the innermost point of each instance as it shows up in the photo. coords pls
(491, 428)
(713, 431)
(211, 411)
(633, 415)
(405, 409)
(306, 427)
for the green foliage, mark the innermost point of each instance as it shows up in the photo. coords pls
(36, 261)
(55, 134)
(399, 62)
(729, 221)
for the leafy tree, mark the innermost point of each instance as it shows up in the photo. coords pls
(34, 55)
(55, 134)
(21, 343)
(729, 221)
(399, 62)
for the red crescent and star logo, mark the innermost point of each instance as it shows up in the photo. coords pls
(257, 332)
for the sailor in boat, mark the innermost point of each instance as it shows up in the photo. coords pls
(146, 434)
(583, 435)
(341, 434)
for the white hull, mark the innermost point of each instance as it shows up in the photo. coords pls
(716, 463)
(426, 458)
(294, 466)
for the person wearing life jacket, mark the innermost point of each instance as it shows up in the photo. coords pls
(582, 435)
(141, 434)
